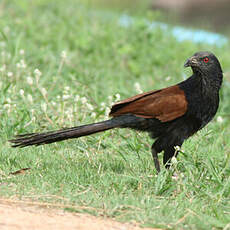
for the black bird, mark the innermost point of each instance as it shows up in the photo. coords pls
(170, 115)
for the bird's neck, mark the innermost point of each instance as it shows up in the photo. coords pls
(210, 81)
(206, 84)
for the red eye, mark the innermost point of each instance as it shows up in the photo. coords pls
(206, 59)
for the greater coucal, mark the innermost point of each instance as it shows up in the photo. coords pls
(170, 115)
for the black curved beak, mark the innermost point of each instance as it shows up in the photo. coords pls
(191, 62)
(187, 63)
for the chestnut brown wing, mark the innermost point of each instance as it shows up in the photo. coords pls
(165, 104)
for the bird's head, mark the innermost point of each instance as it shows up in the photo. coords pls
(204, 62)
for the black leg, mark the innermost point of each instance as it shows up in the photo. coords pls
(155, 159)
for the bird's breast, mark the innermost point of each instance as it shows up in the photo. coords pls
(203, 107)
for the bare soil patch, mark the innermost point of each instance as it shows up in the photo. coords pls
(15, 215)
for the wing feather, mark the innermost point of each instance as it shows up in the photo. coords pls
(165, 105)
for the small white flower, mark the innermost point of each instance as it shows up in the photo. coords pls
(138, 87)
(70, 116)
(44, 106)
(6, 106)
(93, 114)
(65, 97)
(8, 100)
(30, 98)
(63, 54)
(21, 92)
(22, 64)
(76, 98)
(37, 72)
(29, 80)
(103, 104)
(21, 52)
(107, 111)
(53, 103)
(83, 100)
(3, 53)
(89, 106)
(18, 65)
(177, 148)
(167, 78)
(67, 88)
(58, 97)
(43, 91)
(118, 97)
(220, 119)
(9, 74)
(68, 111)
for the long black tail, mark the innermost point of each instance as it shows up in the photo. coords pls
(75, 132)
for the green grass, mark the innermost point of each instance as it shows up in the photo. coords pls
(111, 172)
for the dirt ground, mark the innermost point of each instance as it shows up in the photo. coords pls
(15, 215)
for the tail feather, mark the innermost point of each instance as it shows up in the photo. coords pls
(69, 133)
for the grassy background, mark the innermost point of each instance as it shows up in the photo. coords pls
(83, 60)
